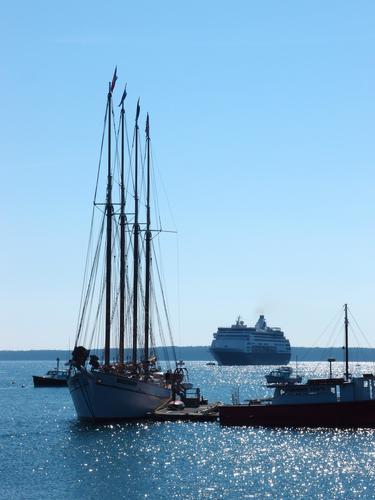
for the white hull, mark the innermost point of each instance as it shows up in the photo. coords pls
(107, 396)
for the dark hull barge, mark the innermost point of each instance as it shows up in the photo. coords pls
(352, 414)
(348, 401)
(45, 381)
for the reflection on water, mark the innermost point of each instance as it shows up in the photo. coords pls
(46, 453)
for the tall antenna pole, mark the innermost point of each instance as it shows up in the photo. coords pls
(107, 344)
(148, 250)
(346, 343)
(135, 245)
(122, 236)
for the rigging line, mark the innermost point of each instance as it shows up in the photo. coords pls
(113, 120)
(91, 284)
(98, 325)
(142, 305)
(165, 306)
(91, 279)
(359, 328)
(142, 191)
(329, 325)
(141, 290)
(328, 350)
(89, 312)
(338, 334)
(130, 149)
(352, 331)
(160, 326)
(127, 138)
(331, 339)
(99, 329)
(116, 161)
(117, 155)
(92, 326)
(88, 260)
(152, 307)
(156, 203)
(161, 333)
(156, 169)
(115, 302)
(163, 284)
(361, 331)
(152, 332)
(131, 176)
(178, 290)
(98, 310)
(88, 254)
(101, 153)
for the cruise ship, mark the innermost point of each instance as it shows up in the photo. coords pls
(244, 345)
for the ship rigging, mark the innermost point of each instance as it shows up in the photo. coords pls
(121, 385)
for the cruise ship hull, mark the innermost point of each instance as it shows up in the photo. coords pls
(231, 357)
(101, 396)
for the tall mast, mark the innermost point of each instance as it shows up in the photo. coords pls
(148, 250)
(108, 275)
(346, 343)
(136, 245)
(122, 235)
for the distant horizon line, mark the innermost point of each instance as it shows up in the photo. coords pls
(195, 353)
(175, 347)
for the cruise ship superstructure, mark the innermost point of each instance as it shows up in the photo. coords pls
(243, 345)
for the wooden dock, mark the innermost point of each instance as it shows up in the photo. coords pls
(202, 413)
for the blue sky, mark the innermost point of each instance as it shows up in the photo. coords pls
(262, 124)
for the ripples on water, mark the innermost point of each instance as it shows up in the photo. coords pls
(46, 453)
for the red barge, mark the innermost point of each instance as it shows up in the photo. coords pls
(326, 402)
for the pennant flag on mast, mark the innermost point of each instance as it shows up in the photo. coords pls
(114, 78)
(147, 127)
(138, 111)
(123, 96)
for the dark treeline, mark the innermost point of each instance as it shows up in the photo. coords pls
(199, 353)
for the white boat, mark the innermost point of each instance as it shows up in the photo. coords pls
(243, 345)
(283, 375)
(106, 396)
(107, 389)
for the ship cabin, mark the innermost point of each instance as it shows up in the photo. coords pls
(328, 390)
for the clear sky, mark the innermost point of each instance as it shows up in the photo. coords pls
(263, 127)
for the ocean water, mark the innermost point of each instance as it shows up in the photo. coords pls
(46, 453)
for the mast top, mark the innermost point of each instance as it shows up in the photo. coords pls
(123, 97)
(137, 112)
(113, 82)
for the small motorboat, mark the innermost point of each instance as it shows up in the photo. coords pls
(283, 375)
(53, 378)
(211, 363)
